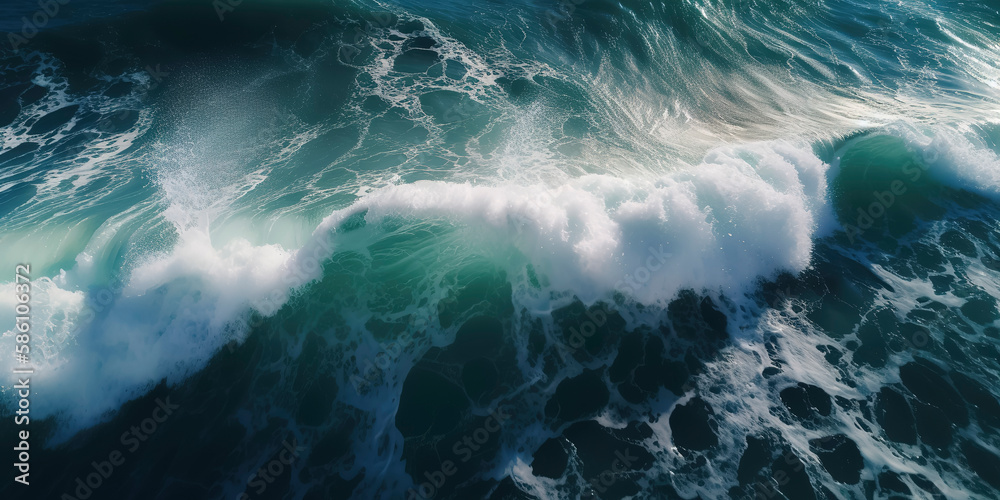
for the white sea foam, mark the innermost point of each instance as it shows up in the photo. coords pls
(958, 157)
(746, 212)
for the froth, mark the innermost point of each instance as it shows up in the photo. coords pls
(744, 213)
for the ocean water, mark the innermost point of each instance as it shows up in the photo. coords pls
(509, 250)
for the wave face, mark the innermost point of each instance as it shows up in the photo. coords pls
(576, 249)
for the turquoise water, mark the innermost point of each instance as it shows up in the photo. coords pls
(577, 249)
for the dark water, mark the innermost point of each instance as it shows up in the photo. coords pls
(577, 249)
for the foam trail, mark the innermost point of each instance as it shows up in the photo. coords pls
(744, 213)
(958, 158)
